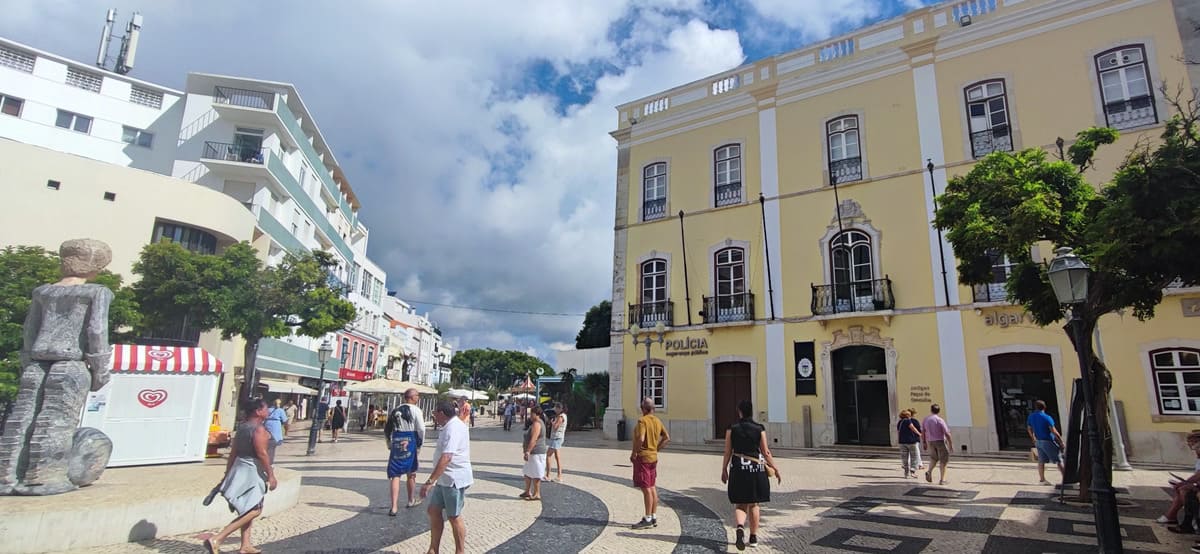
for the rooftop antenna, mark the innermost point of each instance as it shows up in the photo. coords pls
(129, 42)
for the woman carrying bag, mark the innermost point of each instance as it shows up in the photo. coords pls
(747, 469)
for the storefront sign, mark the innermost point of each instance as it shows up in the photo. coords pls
(1004, 319)
(920, 394)
(806, 368)
(354, 374)
(686, 346)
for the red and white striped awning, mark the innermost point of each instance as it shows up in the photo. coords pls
(163, 359)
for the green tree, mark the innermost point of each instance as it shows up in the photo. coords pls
(1138, 232)
(233, 292)
(499, 368)
(24, 268)
(597, 325)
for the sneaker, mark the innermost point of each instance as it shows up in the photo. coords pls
(414, 503)
(753, 542)
(929, 476)
(741, 539)
(1045, 482)
(1164, 520)
(654, 520)
(644, 523)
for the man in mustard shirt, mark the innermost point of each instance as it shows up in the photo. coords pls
(649, 436)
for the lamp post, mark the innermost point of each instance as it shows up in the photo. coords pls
(1069, 278)
(322, 399)
(659, 331)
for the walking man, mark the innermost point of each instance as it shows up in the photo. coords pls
(275, 423)
(451, 476)
(649, 436)
(936, 439)
(405, 433)
(1047, 439)
(510, 410)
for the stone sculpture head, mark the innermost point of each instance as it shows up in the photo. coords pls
(84, 257)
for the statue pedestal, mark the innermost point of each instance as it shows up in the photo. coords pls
(129, 504)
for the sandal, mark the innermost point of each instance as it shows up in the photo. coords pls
(538, 498)
(252, 551)
(210, 547)
(524, 496)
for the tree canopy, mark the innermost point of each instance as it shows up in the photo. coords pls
(24, 268)
(597, 325)
(234, 293)
(498, 368)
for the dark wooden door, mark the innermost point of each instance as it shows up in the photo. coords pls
(731, 384)
(1018, 380)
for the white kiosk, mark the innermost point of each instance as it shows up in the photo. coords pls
(158, 404)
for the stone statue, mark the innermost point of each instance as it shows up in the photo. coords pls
(64, 355)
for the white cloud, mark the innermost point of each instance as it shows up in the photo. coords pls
(818, 19)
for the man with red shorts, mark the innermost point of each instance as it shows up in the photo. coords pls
(649, 436)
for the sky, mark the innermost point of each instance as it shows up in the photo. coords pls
(475, 134)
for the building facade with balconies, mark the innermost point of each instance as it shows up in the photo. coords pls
(775, 219)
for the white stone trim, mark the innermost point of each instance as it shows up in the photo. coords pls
(1060, 390)
(711, 428)
(769, 184)
(855, 335)
(1144, 350)
(777, 373)
(853, 218)
(879, 38)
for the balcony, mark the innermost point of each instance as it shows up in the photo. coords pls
(845, 170)
(649, 314)
(728, 195)
(996, 139)
(990, 292)
(848, 298)
(1134, 112)
(654, 209)
(726, 309)
(243, 162)
(248, 107)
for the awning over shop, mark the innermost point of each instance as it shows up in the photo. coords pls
(163, 359)
(388, 386)
(285, 387)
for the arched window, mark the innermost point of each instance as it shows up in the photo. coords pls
(845, 157)
(654, 191)
(1125, 87)
(654, 306)
(345, 352)
(852, 270)
(727, 167)
(1177, 380)
(731, 297)
(987, 117)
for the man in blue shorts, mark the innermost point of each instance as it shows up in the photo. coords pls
(1047, 439)
(451, 476)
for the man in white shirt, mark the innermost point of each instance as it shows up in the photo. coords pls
(450, 478)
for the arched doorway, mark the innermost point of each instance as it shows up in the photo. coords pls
(731, 384)
(860, 395)
(1018, 380)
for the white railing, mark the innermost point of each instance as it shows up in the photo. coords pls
(839, 49)
(974, 8)
(727, 84)
(656, 105)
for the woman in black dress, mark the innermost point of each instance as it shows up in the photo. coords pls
(747, 468)
(339, 420)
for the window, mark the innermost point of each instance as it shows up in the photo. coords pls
(74, 121)
(136, 136)
(247, 143)
(146, 97)
(845, 159)
(10, 105)
(370, 357)
(1002, 268)
(53, 185)
(189, 238)
(852, 272)
(728, 169)
(110, 196)
(731, 285)
(654, 191)
(987, 118)
(654, 307)
(345, 351)
(296, 219)
(85, 80)
(1125, 87)
(654, 384)
(1177, 380)
(16, 59)
(354, 356)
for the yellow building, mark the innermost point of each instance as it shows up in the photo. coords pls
(833, 320)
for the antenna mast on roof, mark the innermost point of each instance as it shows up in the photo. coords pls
(129, 43)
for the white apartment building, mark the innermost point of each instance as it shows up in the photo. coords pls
(252, 140)
(421, 348)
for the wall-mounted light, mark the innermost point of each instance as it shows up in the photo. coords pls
(964, 19)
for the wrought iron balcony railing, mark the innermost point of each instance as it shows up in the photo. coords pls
(996, 139)
(845, 170)
(244, 98)
(1133, 112)
(734, 307)
(990, 292)
(860, 296)
(649, 314)
(728, 195)
(654, 209)
(245, 153)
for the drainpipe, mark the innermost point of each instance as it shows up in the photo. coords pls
(762, 202)
(941, 248)
(1119, 460)
(687, 290)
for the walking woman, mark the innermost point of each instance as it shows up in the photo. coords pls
(557, 434)
(534, 447)
(338, 420)
(248, 476)
(908, 431)
(747, 468)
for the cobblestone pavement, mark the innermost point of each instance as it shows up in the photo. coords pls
(825, 504)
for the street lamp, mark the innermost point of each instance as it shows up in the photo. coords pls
(1069, 278)
(322, 399)
(659, 330)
